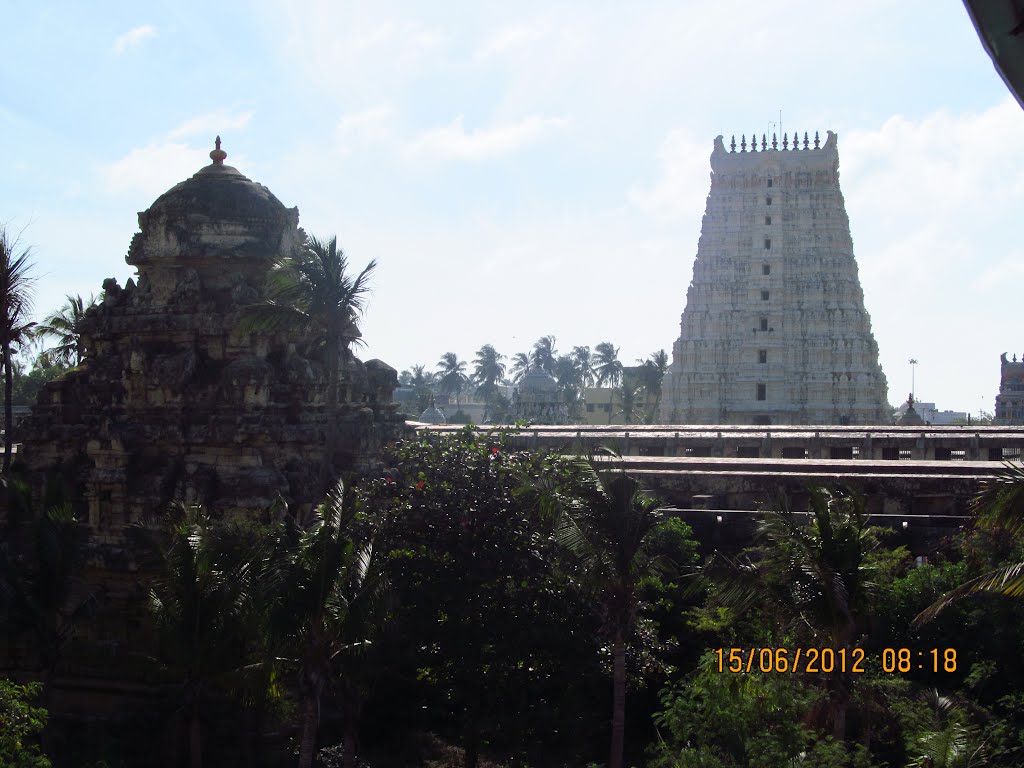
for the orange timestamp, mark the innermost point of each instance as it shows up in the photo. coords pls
(829, 660)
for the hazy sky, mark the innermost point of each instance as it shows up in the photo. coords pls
(531, 168)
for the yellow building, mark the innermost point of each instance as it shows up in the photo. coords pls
(603, 405)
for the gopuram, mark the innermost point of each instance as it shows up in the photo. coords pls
(178, 399)
(1010, 400)
(774, 330)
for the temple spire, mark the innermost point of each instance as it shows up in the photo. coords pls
(218, 155)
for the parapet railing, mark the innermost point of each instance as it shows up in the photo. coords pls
(775, 142)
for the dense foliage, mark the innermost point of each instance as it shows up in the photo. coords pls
(20, 726)
(485, 606)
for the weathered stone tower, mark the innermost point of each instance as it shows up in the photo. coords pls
(176, 400)
(775, 330)
(1010, 400)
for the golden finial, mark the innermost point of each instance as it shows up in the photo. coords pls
(218, 155)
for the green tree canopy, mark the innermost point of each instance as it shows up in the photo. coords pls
(64, 325)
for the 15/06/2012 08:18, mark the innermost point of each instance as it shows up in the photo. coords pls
(828, 660)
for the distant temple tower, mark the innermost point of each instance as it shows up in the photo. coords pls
(1010, 400)
(775, 330)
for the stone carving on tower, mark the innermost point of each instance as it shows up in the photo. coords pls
(774, 330)
(175, 399)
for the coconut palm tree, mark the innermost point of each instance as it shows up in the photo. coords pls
(818, 577)
(520, 365)
(567, 374)
(422, 382)
(607, 365)
(313, 290)
(585, 365)
(330, 580)
(950, 741)
(64, 325)
(998, 504)
(488, 373)
(608, 528)
(451, 375)
(40, 570)
(543, 354)
(17, 286)
(206, 601)
(630, 406)
(652, 373)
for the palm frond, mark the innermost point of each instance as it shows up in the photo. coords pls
(17, 286)
(739, 583)
(273, 316)
(1000, 501)
(1008, 581)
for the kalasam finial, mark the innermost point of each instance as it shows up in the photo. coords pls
(218, 155)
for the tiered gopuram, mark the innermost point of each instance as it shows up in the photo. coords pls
(774, 330)
(1010, 400)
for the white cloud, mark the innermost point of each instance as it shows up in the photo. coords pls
(934, 211)
(1007, 270)
(921, 188)
(516, 36)
(212, 124)
(133, 38)
(338, 45)
(550, 273)
(683, 185)
(151, 170)
(361, 128)
(453, 141)
(154, 168)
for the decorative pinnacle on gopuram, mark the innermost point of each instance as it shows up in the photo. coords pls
(218, 155)
(775, 142)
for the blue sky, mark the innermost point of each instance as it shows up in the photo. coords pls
(532, 168)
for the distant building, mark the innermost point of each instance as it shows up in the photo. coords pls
(603, 405)
(930, 414)
(433, 415)
(467, 407)
(536, 399)
(471, 407)
(1010, 400)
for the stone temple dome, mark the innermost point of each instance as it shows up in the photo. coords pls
(220, 192)
(433, 415)
(536, 381)
(217, 228)
(537, 399)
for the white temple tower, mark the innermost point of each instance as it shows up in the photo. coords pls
(775, 330)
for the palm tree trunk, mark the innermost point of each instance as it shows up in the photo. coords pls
(618, 698)
(841, 684)
(472, 757)
(332, 407)
(841, 705)
(349, 741)
(309, 724)
(8, 409)
(195, 743)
